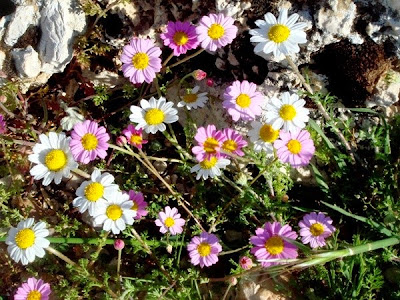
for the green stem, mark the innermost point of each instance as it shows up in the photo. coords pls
(157, 87)
(168, 59)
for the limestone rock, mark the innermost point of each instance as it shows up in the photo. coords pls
(26, 61)
(387, 90)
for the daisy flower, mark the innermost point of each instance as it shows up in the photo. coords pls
(153, 114)
(216, 31)
(242, 101)
(262, 136)
(27, 241)
(94, 192)
(139, 205)
(296, 148)
(193, 99)
(269, 243)
(203, 249)
(210, 167)
(33, 289)
(281, 37)
(141, 60)
(170, 221)
(245, 263)
(115, 213)
(134, 136)
(53, 158)
(180, 37)
(288, 112)
(232, 142)
(314, 228)
(2, 124)
(88, 141)
(209, 142)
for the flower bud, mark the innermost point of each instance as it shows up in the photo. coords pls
(245, 262)
(119, 244)
(121, 140)
(199, 74)
(169, 248)
(233, 281)
(210, 82)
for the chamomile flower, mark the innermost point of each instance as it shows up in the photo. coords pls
(315, 228)
(27, 241)
(152, 114)
(53, 158)
(232, 142)
(210, 167)
(139, 205)
(134, 136)
(180, 37)
(33, 289)
(281, 37)
(193, 99)
(204, 249)
(209, 142)
(94, 192)
(263, 136)
(170, 221)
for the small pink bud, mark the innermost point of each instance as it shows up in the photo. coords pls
(119, 244)
(245, 262)
(233, 281)
(121, 140)
(199, 74)
(210, 82)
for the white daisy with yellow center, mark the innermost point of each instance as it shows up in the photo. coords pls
(94, 192)
(115, 213)
(53, 158)
(210, 167)
(27, 241)
(278, 36)
(288, 112)
(153, 114)
(193, 99)
(263, 136)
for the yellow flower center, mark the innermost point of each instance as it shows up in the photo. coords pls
(56, 160)
(190, 98)
(210, 144)
(89, 141)
(34, 295)
(25, 238)
(154, 116)
(204, 249)
(278, 33)
(114, 212)
(229, 145)
(243, 100)
(287, 112)
(135, 206)
(274, 245)
(136, 139)
(180, 38)
(268, 134)
(140, 60)
(94, 191)
(317, 229)
(216, 31)
(294, 146)
(208, 163)
(169, 222)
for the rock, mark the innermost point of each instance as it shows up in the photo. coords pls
(26, 61)
(2, 58)
(110, 79)
(387, 91)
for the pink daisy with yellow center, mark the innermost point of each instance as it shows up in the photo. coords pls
(180, 37)
(134, 136)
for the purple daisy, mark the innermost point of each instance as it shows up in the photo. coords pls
(33, 289)
(170, 221)
(232, 142)
(139, 205)
(134, 136)
(141, 60)
(314, 228)
(204, 249)
(296, 148)
(180, 37)
(271, 242)
(209, 142)
(242, 101)
(216, 31)
(2, 124)
(88, 141)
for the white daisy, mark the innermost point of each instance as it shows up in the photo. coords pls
(281, 37)
(193, 99)
(93, 193)
(263, 137)
(27, 241)
(153, 114)
(210, 167)
(115, 213)
(288, 112)
(53, 158)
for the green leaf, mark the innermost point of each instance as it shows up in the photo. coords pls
(319, 178)
(363, 110)
(321, 133)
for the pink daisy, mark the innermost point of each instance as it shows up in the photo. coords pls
(2, 124)
(33, 289)
(216, 31)
(88, 141)
(139, 205)
(204, 249)
(269, 243)
(141, 60)
(180, 37)
(209, 142)
(245, 263)
(296, 148)
(232, 142)
(314, 228)
(242, 101)
(134, 136)
(170, 220)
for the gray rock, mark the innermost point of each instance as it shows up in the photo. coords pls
(26, 61)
